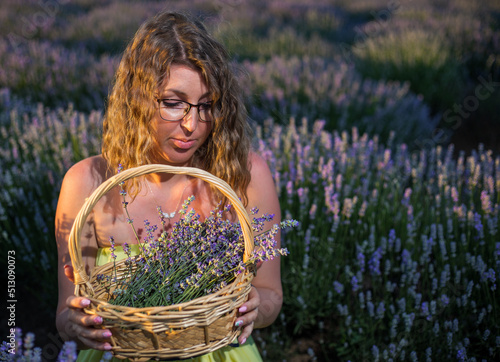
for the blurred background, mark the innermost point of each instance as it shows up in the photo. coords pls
(364, 63)
(424, 74)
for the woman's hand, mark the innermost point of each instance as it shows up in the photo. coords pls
(83, 325)
(248, 313)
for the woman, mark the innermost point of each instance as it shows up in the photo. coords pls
(175, 101)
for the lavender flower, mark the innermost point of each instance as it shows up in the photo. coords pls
(107, 356)
(68, 352)
(354, 283)
(112, 247)
(380, 310)
(375, 353)
(361, 259)
(196, 258)
(339, 287)
(374, 262)
(371, 309)
(425, 311)
(477, 222)
(462, 354)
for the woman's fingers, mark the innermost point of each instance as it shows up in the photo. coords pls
(247, 318)
(85, 320)
(87, 330)
(245, 333)
(84, 324)
(77, 302)
(102, 346)
(68, 271)
(252, 302)
(78, 316)
(248, 313)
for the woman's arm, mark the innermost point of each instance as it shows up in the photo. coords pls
(72, 323)
(266, 298)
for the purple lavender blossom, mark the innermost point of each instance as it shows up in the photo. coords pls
(361, 259)
(444, 300)
(195, 258)
(370, 308)
(374, 262)
(425, 310)
(461, 354)
(339, 287)
(68, 352)
(375, 353)
(477, 222)
(380, 310)
(112, 247)
(354, 283)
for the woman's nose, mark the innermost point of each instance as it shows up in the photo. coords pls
(190, 120)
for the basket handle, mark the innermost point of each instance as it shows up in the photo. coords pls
(75, 251)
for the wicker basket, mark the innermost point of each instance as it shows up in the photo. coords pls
(178, 331)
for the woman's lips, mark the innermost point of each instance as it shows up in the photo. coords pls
(183, 144)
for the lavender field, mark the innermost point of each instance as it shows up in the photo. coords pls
(379, 120)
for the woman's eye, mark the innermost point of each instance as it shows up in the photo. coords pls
(206, 106)
(172, 104)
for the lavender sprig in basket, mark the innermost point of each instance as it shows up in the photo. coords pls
(196, 259)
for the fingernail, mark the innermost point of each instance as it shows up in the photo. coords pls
(238, 323)
(107, 334)
(243, 309)
(98, 320)
(107, 347)
(85, 302)
(243, 341)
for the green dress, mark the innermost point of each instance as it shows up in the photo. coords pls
(232, 353)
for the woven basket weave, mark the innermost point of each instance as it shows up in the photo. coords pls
(178, 331)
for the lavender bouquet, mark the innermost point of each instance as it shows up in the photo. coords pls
(195, 259)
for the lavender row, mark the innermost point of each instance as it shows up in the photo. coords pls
(317, 89)
(37, 146)
(55, 76)
(335, 92)
(398, 251)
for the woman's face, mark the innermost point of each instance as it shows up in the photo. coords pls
(179, 140)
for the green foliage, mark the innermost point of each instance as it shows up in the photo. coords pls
(421, 58)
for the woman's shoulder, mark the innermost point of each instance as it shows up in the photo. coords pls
(88, 173)
(257, 163)
(259, 168)
(261, 189)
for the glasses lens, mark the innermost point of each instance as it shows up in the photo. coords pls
(171, 110)
(205, 112)
(174, 110)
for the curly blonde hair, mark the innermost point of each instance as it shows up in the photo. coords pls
(128, 138)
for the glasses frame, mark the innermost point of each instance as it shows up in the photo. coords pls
(197, 106)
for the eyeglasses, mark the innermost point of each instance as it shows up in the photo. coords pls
(174, 110)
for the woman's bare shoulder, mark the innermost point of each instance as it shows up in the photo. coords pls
(261, 191)
(257, 164)
(87, 174)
